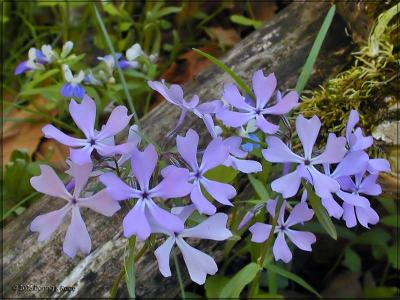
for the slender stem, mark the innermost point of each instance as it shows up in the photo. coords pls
(178, 272)
(19, 204)
(130, 268)
(266, 246)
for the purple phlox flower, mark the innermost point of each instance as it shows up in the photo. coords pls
(73, 87)
(301, 239)
(198, 263)
(174, 95)
(353, 163)
(353, 211)
(132, 54)
(77, 237)
(307, 130)
(235, 153)
(35, 62)
(263, 88)
(377, 165)
(355, 137)
(214, 155)
(110, 62)
(137, 221)
(84, 115)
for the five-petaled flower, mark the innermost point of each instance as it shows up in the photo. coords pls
(77, 237)
(263, 88)
(137, 221)
(102, 141)
(73, 87)
(301, 239)
(198, 263)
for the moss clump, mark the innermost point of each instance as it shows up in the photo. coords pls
(370, 86)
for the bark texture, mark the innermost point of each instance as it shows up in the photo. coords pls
(280, 46)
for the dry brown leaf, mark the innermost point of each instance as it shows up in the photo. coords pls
(53, 152)
(264, 10)
(228, 37)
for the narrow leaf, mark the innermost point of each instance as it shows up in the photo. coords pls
(352, 260)
(308, 66)
(237, 283)
(293, 277)
(321, 213)
(227, 70)
(130, 269)
(259, 187)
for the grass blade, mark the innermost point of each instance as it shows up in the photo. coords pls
(308, 66)
(259, 187)
(227, 70)
(293, 277)
(130, 269)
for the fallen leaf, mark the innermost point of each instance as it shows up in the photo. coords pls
(227, 37)
(53, 152)
(264, 11)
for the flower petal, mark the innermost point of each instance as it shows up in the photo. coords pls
(366, 215)
(351, 123)
(332, 207)
(265, 126)
(198, 263)
(300, 213)
(109, 150)
(163, 90)
(307, 130)
(84, 115)
(234, 118)
(81, 174)
(46, 224)
(162, 254)
(213, 228)
(286, 104)
(349, 215)
(277, 151)
(116, 188)
(117, 121)
(164, 218)
(377, 165)
(67, 90)
(323, 184)
(82, 155)
(234, 143)
(263, 87)
(136, 223)
(77, 237)
(210, 107)
(201, 202)
(174, 185)
(101, 203)
(183, 212)
(369, 186)
(281, 249)
(221, 192)
(301, 239)
(187, 147)
(353, 163)
(353, 199)
(359, 141)
(214, 155)
(287, 185)
(143, 165)
(334, 151)
(260, 232)
(234, 98)
(50, 184)
(52, 132)
(243, 165)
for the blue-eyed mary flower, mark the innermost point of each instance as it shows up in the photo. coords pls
(198, 263)
(174, 95)
(72, 87)
(278, 152)
(263, 88)
(137, 221)
(35, 61)
(132, 55)
(84, 115)
(303, 240)
(77, 237)
(214, 155)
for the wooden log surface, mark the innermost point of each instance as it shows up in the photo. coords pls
(281, 46)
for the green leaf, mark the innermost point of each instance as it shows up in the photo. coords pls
(130, 269)
(221, 174)
(381, 292)
(352, 260)
(242, 20)
(391, 220)
(375, 236)
(227, 70)
(214, 285)
(308, 66)
(321, 213)
(259, 187)
(289, 275)
(316, 227)
(393, 256)
(237, 283)
(169, 10)
(38, 78)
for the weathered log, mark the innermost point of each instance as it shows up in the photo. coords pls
(281, 46)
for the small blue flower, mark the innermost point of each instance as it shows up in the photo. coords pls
(248, 147)
(72, 88)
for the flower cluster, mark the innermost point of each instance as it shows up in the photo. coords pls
(149, 178)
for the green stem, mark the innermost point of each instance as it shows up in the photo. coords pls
(178, 272)
(31, 196)
(130, 268)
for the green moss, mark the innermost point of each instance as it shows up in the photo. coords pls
(370, 86)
